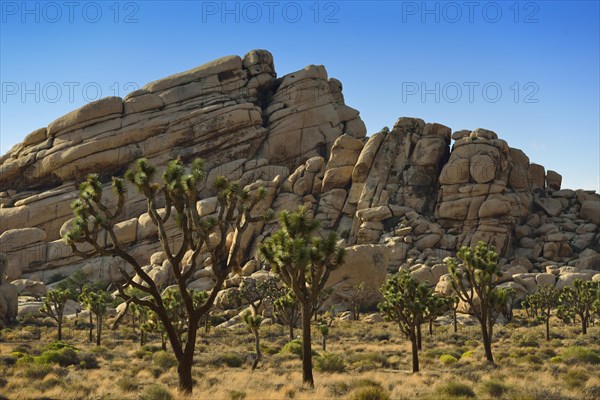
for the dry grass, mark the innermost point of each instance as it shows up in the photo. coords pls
(375, 356)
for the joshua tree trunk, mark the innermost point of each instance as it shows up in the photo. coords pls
(415, 353)
(59, 322)
(307, 375)
(548, 327)
(430, 327)
(324, 342)
(455, 325)
(98, 329)
(419, 337)
(91, 338)
(487, 342)
(291, 327)
(257, 347)
(186, 360)
(583, 325)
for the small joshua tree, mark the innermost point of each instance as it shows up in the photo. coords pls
(54, 307)
(405, 302)
(303, 262)
(543, 301)
(579, 300)
(436, 307)
(287, 310)
(97, 304)
(358, 299)
(255, 294)
(474, 277)
(95, 218)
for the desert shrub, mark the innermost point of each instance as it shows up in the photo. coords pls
(164, 360)
(456, 389)
(3, 381)
(494, 389)
(577, 354)
(8, 361)
(24, 360)
(467, 354)
(58, 345)
(293, 347)
(127, 384)
(337, 389)
(593, 392)
(369, 393)
(575, 379)
(63, 357)
(527, 339)
(232, 360)
(329, 362)
(237, 395)
(22, 348)
(447, 359)
(37, 372)
(367, 361)
(88, 361)
(49, 383)
(156, 392)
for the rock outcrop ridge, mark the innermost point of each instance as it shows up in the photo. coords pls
(400, 198)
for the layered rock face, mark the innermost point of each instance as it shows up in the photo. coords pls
(401, 198)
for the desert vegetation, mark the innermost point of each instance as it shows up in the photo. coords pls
(156, 347)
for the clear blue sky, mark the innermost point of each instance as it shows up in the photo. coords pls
(441, 61)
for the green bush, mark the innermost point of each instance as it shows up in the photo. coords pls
(58, 345)
(8, 361)
(455, 389)
(577, 354)
(494, 389)
(329, 362)
(447, 359)
(575, 379)
(369, 393)
(63, 357)
(528, 339)
(293, 347)
(164, 360)
(156, 392)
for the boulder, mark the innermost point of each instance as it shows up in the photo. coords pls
(28, 287)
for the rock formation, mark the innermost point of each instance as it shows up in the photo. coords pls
(400, 198)
(8, 295)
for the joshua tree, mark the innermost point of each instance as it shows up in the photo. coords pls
(287, 310)
(474, 281)
(436, 306)
(54, 307)
(303, 263)
(579, 300)
(357, 299)
(454, 301)
(94, 219)
(97, 304)
(255, 294)
(543, 301)
(405, 302)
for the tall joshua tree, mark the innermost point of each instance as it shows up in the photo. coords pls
(474, 280)
(303, 262)
(179, 187)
